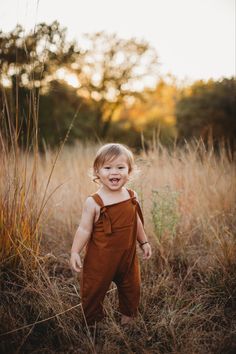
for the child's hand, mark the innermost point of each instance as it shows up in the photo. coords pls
(75, 262)
(147, 251)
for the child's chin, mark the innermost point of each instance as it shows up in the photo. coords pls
(116, 186)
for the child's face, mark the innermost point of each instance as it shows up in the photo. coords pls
(114, 174)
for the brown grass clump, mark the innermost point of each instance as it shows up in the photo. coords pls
(188, 287)
(20, 236)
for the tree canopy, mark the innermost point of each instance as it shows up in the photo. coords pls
(118, 96)
(33, 57)
(208, 110)
(111, 72)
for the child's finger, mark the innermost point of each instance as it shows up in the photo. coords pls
(147, 255)
(77, 268)
(78, 262)
(73, 263)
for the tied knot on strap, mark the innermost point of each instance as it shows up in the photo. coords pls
(139, 211)
(106, 221)
(103, 210)
(134, 201)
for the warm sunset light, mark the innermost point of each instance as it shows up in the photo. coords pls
(194, 39)
(71, 79)
(117, 176)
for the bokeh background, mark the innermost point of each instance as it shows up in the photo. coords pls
(123, 72)
(158, 76)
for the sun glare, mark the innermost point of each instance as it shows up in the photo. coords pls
(71, 79)
(6, 82)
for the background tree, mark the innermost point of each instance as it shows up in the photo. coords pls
(113, 71)
(61, 110)
(31, 59)
(208, 110)
(28, 62)
(154, 115)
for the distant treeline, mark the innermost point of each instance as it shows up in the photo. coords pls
(110, 99)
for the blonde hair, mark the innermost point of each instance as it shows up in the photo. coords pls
(110, 152)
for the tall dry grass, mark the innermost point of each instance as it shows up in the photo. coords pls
(188, 291)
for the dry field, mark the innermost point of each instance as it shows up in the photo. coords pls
(188, 287)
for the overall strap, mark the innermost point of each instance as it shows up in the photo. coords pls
(104, 214)
(138, 208)
(131, 192)
(97, 199)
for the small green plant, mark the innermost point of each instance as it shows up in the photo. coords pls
(164, 211)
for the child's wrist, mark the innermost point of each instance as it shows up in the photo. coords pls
(74, 252)
(141, 244)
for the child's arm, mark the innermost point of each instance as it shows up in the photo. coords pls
(142, 237)
(82, 234)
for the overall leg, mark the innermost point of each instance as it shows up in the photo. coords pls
(93, 292)
(98, 272)
(128, 287)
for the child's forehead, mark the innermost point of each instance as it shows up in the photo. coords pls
(122, 158)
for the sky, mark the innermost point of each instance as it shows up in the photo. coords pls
(194, 39)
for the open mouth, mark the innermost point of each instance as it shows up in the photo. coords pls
(114, 181)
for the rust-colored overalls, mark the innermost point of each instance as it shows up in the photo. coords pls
(111, 256)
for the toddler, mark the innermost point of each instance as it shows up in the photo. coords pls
(110, 226)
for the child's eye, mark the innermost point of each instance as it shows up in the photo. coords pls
(121, 167)
(106, 167)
